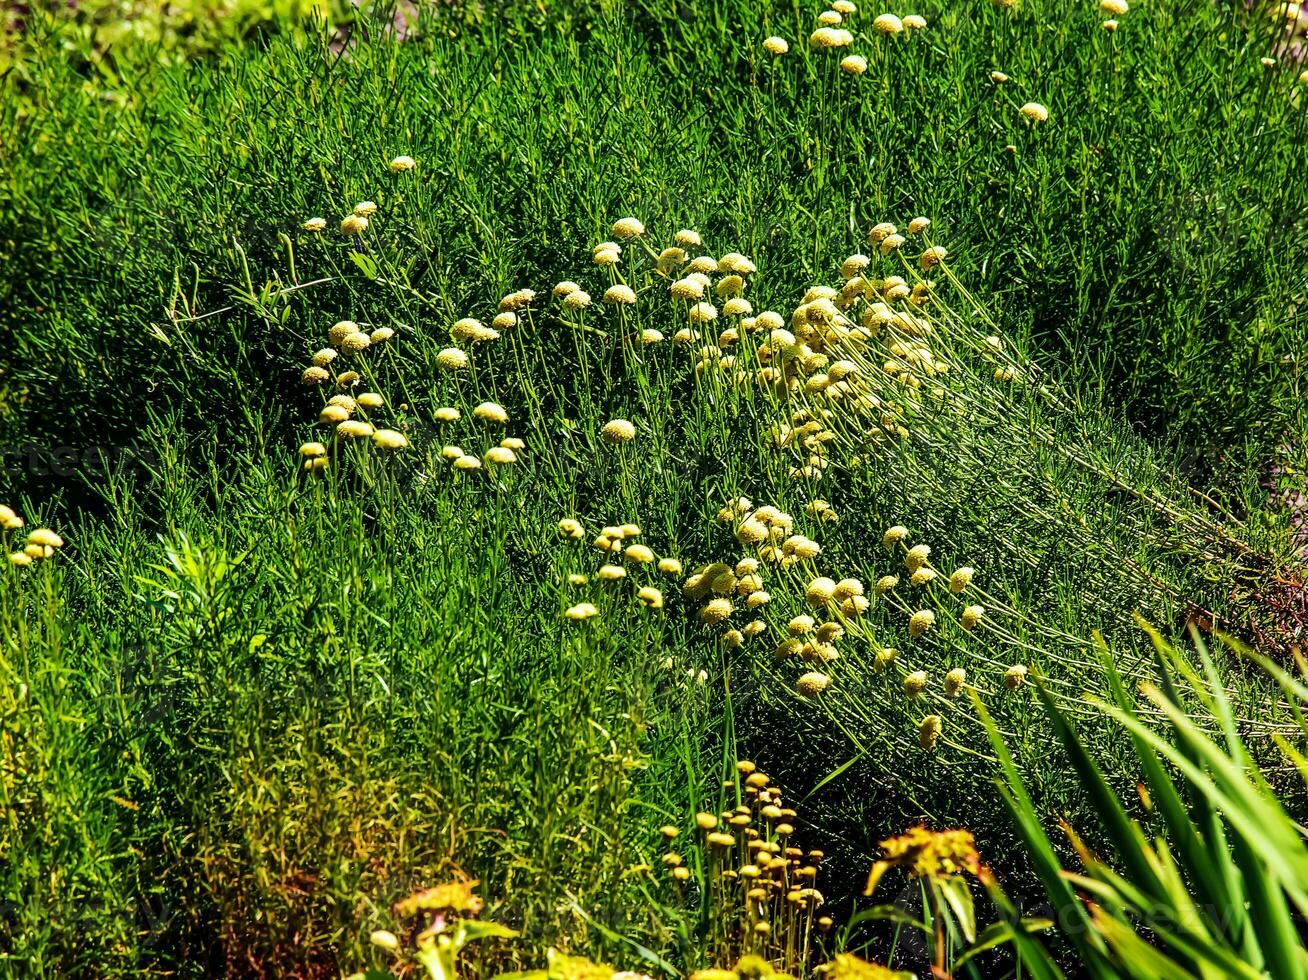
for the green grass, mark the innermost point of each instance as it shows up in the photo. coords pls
(247, 708)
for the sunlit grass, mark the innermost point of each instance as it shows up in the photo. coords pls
(513, 426)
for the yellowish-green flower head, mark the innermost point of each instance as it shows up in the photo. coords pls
(354, 429)
(829, 38)
(917, 557)
(776, 45)
(819, 591)
(853, 64)
(890, 243)
(620, 295)
(812, 684)
(353, 343)
(581, 612)
(880, 232)
(403, 164)
(972, 615)
(628, 228)
(932, 257)
(730, 285)
(1035, 112)
(45, 538)
(954, 681)
(473, 330)
(920, 622)
(887, 24)
(639, 554)
(354, 224)
(342, 329)
(618, 431)
(703, 313)
(491, 412)
(687, 289)
(518, 300)
(451, 359)
(390, 440)
(315, 225)
(716, 611)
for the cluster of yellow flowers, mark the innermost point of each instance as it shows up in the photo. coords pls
(41, 543)
(356, 222)
(833, 33)
(934, 854)
(351, 416)
(623, 552)
(513, 309)
(836, 609)
(491, 414)
(853, 363)
(759, 886)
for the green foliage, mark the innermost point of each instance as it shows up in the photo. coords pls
(1213, 881)
(250, 706)
(1192, 308)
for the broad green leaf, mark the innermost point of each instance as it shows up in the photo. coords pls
(1121, 831)
(366, 263)
(473, 929)
(1018, 802)
(958, 896)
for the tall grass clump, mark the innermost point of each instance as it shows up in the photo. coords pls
(468, 439)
